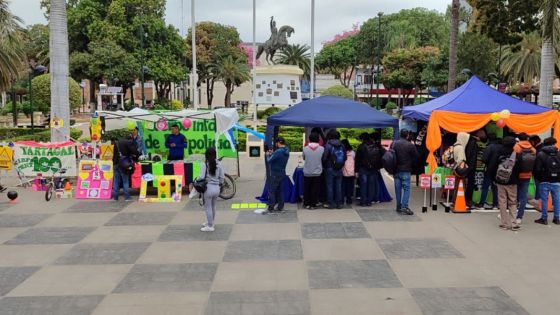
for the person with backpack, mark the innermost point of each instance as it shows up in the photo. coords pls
(528, 157)
(377, 155)
(364, 169)
(348, 173)
(494, 145)
(536, 142)
(405, 157)
(547, 172)
(334, 158)
(277, 162)
(504, 167)
(312, 170)
(471, 154)
(124, 157)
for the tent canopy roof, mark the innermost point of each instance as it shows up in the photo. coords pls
(332, 112)
(473, 97)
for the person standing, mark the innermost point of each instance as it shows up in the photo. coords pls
(214, 173)
(124, 157)
(494, 145)
(366, 156)
(277, 162)
(528, 157)
(312, 170)
(535, 141)
(407, 156)
(334, 158)
(348, 173)
(176, 143)
(547, 172)
(504, 167)
(471, 154)
(137, 139)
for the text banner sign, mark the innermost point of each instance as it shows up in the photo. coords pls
(200, 136)
(33, 158)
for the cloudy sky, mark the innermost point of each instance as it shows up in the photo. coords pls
(331, 16)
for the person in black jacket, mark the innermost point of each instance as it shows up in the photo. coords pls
(471, 152)
(492, 148)
(547, 173)
(407, 157)
(125, 154)
(364, 170)
(507, 192)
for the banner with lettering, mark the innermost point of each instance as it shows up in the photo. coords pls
(200, 136)
(33, 158)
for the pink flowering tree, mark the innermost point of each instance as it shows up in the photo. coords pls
(248, 50)
(338, 37)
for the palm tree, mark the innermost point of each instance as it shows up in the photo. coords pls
(58, 47)
(12, 55)
(521, 63)
(232, 71)
(453, 42)
(550, 32)
(297, 55)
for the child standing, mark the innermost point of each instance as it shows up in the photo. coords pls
(312, 170)
(348, 173)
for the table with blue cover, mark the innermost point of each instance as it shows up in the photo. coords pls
(288, 188)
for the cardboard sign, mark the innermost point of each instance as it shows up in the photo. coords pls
(436, 180)
(107, 152)
(33, 158)
(6, 158)
(450, 182)
(425, 181)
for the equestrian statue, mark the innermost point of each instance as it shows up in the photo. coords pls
(278, 40)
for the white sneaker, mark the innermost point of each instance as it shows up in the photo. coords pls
(204, 224)
(207, 229)
(518, 221)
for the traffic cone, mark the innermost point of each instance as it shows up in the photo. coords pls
(550, 208)
(460, 202)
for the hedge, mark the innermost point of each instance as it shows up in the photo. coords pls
(44, 136)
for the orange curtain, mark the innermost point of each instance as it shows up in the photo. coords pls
(457, 122)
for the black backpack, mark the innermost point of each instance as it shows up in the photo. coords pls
(553, 167)
(390, 161)
(528, 158)
(373, 157)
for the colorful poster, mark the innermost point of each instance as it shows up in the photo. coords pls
(6, 158)
(200, 136)
(33, 158)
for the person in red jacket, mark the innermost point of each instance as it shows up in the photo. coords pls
(528, 157)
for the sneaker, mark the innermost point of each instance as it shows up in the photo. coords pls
(406, 211)
(207, 229)
(326, 206)
(129, 199)
(504, 227)
(556, 221)
(495, 208)
(529, 206)
(339, 206)
(308, 207)
(480, 206)
(541, 221)
(515, 228)
(518, 221)
(204, 224)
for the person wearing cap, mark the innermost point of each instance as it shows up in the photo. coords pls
(277, 162)
(138, 141)
(176, 143)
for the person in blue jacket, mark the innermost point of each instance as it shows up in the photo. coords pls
(176, 143)
(277, 162)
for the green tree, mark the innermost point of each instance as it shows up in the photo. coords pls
(36, 44)
(550, 22)
(42, 93)
(521, 63)
(339, 58)
(232, 71)
(338, 90)
(297, 55)
(477, 53)
(11, 53)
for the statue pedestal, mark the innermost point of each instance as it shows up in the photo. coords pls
(278, 85)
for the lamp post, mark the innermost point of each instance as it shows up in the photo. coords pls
(37, 70)
(377, 72)
(142, 67)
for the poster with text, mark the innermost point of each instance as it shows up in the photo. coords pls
(33, 158)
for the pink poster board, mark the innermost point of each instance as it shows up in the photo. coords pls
(95, 180)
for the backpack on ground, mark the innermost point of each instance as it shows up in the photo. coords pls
(528, 158)
(349, 166)
(505, 169)
(338, 157)
(389, 161)
(553, 167)
(373, 157)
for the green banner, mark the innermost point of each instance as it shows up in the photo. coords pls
(200, 136)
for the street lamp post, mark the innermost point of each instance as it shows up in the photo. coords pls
(377, 76)
(142, 70)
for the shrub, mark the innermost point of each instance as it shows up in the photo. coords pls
(338, 90)
(42, 93)
(263, 114)
(45, 136)
(391, 105)
(115, 134)
(176, 105)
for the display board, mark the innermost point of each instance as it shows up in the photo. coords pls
(33, 158)
(6, 158)
(169, 188)
(95, 180)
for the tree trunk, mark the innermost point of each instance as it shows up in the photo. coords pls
(58, 47)
(210, 91)
(229, 91)
(455, 10)
(547, 74)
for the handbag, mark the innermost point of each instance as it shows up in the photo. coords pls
(125, 162)
(200, 184)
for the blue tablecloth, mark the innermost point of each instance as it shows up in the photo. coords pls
(288, 188)
(297, 190)
(383, 193)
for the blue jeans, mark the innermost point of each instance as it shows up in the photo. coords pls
(486, 184)
(554, 190)
(348, 185)
(276, 191)
(522, 191)
(120, 179)
(367, 186)
(333, 181)
(402, 189)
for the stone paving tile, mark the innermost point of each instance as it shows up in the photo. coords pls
(263, 250)
(141, 218)
(249, 217)
(266, 231)
(183, 252)
(169, 303)
(385, 215)
(168, 278)
(103, 254)
(77, 219)
(49, 305)
(484, 300)
(97, 206)
(46, 235)
(411, 248)
(334, 230)
(341, 249)
(11, 277)
(259, 303)
(351, 274)
(23, 220)
(31, 255)
(4, 205)
(175, 233)
(125, 234)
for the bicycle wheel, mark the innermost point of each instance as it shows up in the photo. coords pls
(227, 189)
(49, 192)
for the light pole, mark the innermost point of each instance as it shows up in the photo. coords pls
(377, 76)
(142, 67)
(37, 70)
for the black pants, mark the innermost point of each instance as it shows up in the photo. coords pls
(348, 186)
(470, 186)
(311, 190)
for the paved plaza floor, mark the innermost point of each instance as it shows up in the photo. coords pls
(80, 257)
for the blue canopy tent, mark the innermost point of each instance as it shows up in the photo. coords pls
(473, 97)
(330, 112)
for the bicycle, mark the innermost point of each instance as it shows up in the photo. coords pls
(52, 183)
(227, 188)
